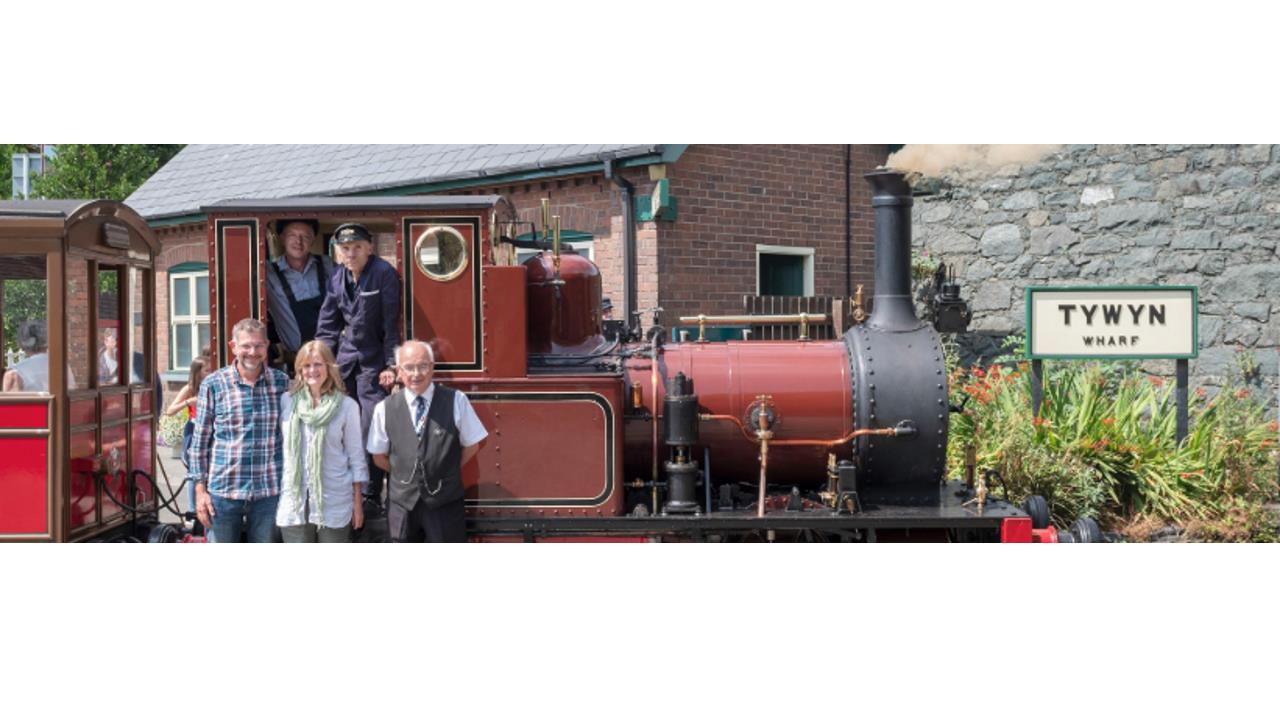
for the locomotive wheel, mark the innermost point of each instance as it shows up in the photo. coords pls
(1087, 531)
(1066, 536)
(1038, 508)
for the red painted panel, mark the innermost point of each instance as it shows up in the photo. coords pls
(519, 473)
(236, 273)
(83, 496)
(24, 500)
(505, 328)
(142, 447)
(114, 407)
(83, 412)
(445, 312)
(517, 463)
(115, 457)
(142, 402)
(1015, 530)
(24, 416)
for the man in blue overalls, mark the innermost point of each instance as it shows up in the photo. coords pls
(297, 282)
(360, 322)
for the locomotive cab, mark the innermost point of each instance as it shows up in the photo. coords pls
(78, 407)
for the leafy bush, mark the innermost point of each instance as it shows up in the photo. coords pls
(171, 429)
(1103, 445)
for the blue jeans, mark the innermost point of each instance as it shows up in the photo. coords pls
(229, 516)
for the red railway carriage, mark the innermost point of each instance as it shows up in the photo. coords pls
(77, 411)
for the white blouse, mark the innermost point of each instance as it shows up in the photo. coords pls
(344, 463)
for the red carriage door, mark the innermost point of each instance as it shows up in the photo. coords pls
(443, 292)
(234, 277)
(26, 400)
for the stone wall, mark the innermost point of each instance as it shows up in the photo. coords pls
(1204, 215)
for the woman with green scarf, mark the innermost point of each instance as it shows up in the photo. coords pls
(324, 461)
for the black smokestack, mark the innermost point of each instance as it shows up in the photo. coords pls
(892, 306)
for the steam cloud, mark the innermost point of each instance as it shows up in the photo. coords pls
(933, 160)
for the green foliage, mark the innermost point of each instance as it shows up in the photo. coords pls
(923, 266)
(110, 172)
(1103, 445)
(23, 300)
(171, 429)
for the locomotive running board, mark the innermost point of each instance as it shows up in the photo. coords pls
(951, 514)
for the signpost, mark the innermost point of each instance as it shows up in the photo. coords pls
(1113, 322)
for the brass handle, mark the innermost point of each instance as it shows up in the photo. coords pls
(702, 321)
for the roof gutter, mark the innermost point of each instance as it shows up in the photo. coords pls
(482, 180)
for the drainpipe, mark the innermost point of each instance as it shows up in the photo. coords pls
(629, 298)
(848, 230)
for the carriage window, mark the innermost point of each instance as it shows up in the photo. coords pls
(109, 326)
(24, 332)
(441, 253)
(77, 323)
(139, 285)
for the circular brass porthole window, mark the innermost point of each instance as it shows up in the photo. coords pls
(441, 253)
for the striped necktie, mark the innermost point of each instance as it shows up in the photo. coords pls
(419, 413)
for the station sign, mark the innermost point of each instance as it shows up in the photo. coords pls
(1113, 322)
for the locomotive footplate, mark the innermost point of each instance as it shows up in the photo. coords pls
(951, 513)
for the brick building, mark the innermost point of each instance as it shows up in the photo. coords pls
(732, 220)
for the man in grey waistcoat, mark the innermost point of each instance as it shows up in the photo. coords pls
(422, 436)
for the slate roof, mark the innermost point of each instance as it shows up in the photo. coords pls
(201, 175)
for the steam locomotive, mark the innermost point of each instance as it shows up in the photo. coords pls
(593, 434)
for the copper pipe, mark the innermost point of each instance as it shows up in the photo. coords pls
(763, 434)
(803, 441)
(764, 470)
(653, 384)
(751, 319)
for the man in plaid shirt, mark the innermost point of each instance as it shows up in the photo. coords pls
(236, 448)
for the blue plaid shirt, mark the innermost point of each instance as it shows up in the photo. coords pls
(236, 445)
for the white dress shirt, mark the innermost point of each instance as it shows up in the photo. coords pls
(470, 430)
(344, 463)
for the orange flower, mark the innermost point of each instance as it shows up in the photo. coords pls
(1242, 393)
(1200, 393)
(1108, 421)
(978, 373)
(1038, 421)
(1273, 426)
(1157, 381)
